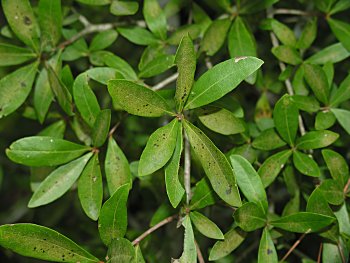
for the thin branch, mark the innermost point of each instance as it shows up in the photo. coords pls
(208, 63)
(295, 245)
(154, 228)
(247, 251)
(187, 170)
(199, 253)
(346, 187)
(283, 11)
(165, 82)
(84, 20)
(320, 253)
(341, 252)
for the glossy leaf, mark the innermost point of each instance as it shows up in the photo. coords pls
(215, 165)
(203, 195)
(124, 8)
(189, 254)
(206, 226)
(44, 151)
(13, 55)
(268, 140)
(316, 139)
(337, 166)
(283, 33)
(303, 222)
(113, 221)
(341, 31)
(287, 54)
(342, 93)
(43, 243)
(305, 164)
(267, 250)
(137, 99)
(159, 149)
(155, 18)
(250, 217)
(249, 181)
(58, 182)
(101, 127)
(90, 188)
(331, 54)
(120, 250)
(220, 80)
(343, 117)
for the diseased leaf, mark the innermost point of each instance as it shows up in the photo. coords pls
(58, 182)
(215, 165)
(101, 127)
(305, 164)
(206, 226)
(331, 54)
(303, 222)
(124, 8)
(267, 250)
(13, 55)
(90, 188)
(189, 254)
(268, 140)
(159, 149)
(203, 195)
(120, 250)
(40, 242)
(337, 166)
(341, 31)
(250, 217)
(221, 79)
(155, 18)
(283, 33)
(44, 151)
(343, 117)
(287, 54)
(316, 139)
(113, 220)
(137, 99)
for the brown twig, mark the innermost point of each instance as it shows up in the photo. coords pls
(346, 187)
(341, 252)
(154, 228)
(199, 253)
(165, 82)
(295, 245)
(319, 253)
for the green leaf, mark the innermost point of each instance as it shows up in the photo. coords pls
(331, 54)
(43, 95)
(303, 222)
(121, 65)
(336, 253)
(58, 182)
(340, 6)
(13, 55)
(249, 181)
(50, 21)
(220, 80)
(103, 74)
(250, 217)
(343, 117)
(174, 187)
(40, 242)
(318, 204)
(332, 192)
(287, 54)
(343, 219)
(120, 250)
(138, 255)
(116, 167)
(232, 240)
(305, 164)
(95, 2)
(215, 36)
(254, 6)
(185, 60)
(85, 100)
(268, 140)
(137, 99)
(267, 250)
(138, 35)
(316, 139)
(308, 34)
(157, 66)
(103, 40)
(342, 93)
(55, 129)
(283, 33)
(206, 226)
(193, 31)
(123, 8)
(101, 128)
(222, 121)
(15, 88)
(90, 188)
(324, 120)
(341, 31)
(20, 16)
(215, 165)
(159, 149)
(317, 80)
(285, 116)
(337, 166)
(324, 5)
(155, 18)
(44, 151)
(189, 254)
(203, 195)
(113, 220)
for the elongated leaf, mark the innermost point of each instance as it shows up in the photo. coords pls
(116, 167)
(267, 250)
(336, 253)
(232, 240)
(303, 222)
(121, 65)
(50, 21)
(159, 148)
(102, 74)
(189, 254)
(58, 182)
(185, 60)
(341, 31)
(157, 66)
(120, 250)
(268, 140)
(42, 243)
(285, 116)
(90, 188)
(342, 93)
(174, 187)
(215, 165)
(12, 55)
(249, 181)
(95, 2)
(343, 117)
(137, 99)
(85, 99)
(113, 217)
(138, 255)
(15, 88)
(317, 80)
(20, 16)
(332, 54)
(155, 18)
(339, 6)
(124, 8)
(287, 54)
(139, 36)
(250, 217)
(283, 33)
(56, 130)
(203, 195)
(316, 139)
(220, 80)
(44, 151)
(308, 35)
(103, 40)
(309, 104)
(272, 166)
(206, 226)
(193, 31)
(101, 128)
(305, 164)
(337, 166)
